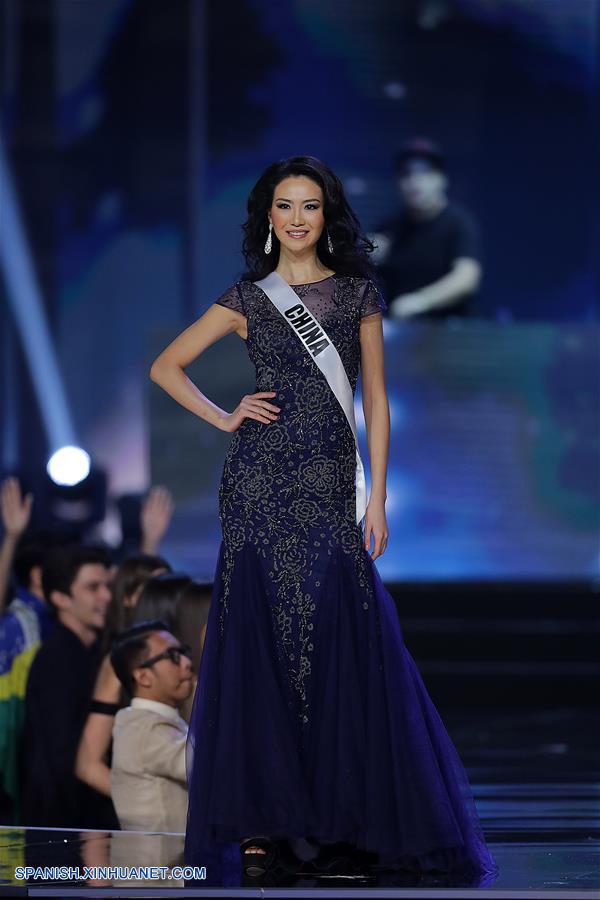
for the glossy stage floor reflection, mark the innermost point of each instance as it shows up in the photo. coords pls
(535, 776)
(545, 837)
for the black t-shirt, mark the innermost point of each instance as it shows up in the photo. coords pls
(59, 688)
(422, 252)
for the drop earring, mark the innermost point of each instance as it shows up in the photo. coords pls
(269, 242)
(329, 244)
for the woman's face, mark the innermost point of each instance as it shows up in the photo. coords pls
(297, 213)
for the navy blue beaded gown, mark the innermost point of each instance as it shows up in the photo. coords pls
(310, 718)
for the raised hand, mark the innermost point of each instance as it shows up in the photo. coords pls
(252, 406)
(16, 510)
(155, 517)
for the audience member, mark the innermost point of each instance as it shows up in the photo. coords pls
(174, 597)
(148, 776)
(155, 518)
(160, 598)
(191, 618)
(429, 257)
(92, 763)
(129, 581)
(182, 603)
(16, 513)
(76, 585)
(144, 521)
(23, 625)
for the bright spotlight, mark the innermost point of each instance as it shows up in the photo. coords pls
(68, 466)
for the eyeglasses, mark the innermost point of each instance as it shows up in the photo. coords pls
(172, 653)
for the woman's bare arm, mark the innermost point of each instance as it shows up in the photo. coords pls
(167, 370)
(90, 763)
(377, 420)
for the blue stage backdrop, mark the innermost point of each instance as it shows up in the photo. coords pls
(494, 451)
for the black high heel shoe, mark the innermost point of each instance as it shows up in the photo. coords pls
(277, 866)
(257, 864)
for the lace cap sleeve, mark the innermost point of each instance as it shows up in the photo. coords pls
(232, 299)
(372, 300)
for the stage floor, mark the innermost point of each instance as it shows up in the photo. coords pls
(535, 777)
(545, 837)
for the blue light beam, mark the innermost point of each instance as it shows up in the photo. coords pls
(26, 302)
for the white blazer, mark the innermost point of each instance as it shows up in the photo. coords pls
(148, 780)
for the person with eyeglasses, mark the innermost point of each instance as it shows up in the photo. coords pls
(148, 775)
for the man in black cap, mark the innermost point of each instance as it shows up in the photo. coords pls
(429, 257)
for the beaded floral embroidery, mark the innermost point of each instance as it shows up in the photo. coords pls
(287, 490)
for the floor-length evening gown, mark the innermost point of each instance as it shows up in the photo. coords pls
(310, 717)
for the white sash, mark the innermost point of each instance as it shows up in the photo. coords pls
(321, 348)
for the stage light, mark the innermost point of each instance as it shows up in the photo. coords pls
(67, 507)
(68, 466)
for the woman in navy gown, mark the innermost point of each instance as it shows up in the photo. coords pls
(311, 725)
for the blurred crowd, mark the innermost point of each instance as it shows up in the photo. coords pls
(98, 665)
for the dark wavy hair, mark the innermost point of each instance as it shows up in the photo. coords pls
(133, 572)
(350, 246)
(182, 603)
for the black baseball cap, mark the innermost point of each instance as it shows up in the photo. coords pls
(420, 148)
